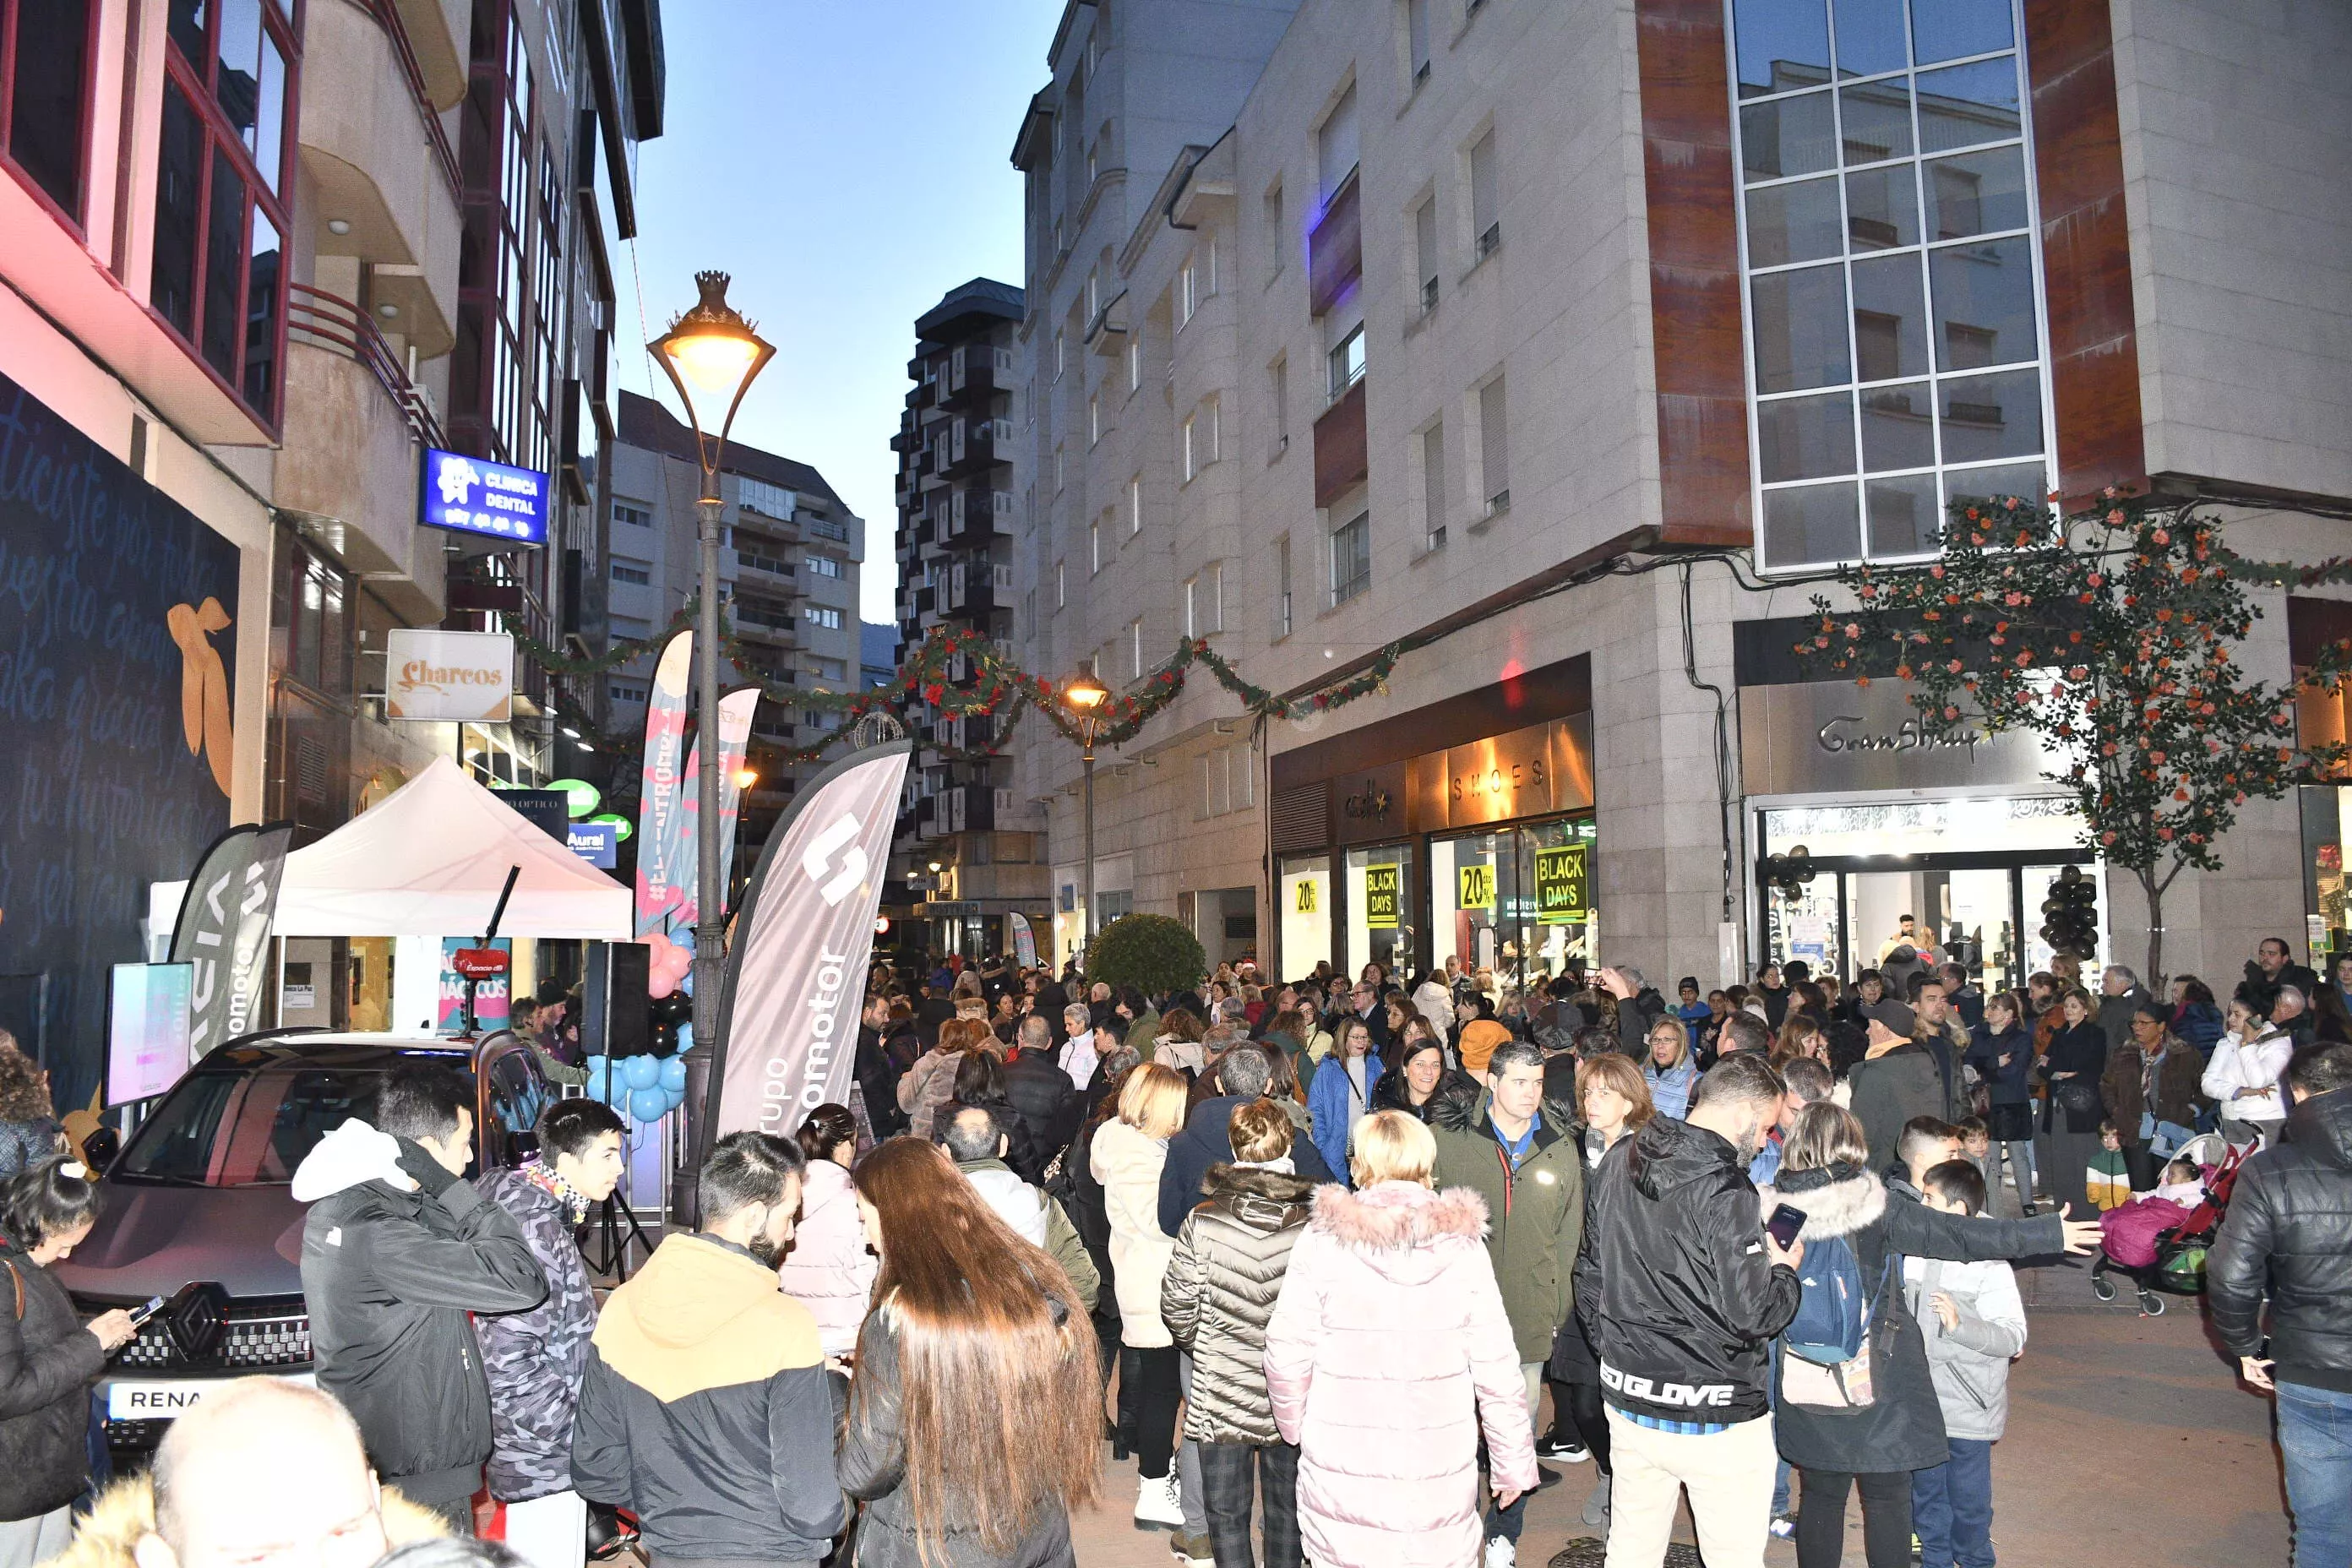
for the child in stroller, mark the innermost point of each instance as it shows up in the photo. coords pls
(2158, 1241)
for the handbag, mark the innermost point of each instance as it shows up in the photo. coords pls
(2079, 1101)
(1847, 1387)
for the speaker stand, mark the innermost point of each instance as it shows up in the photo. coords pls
(611, 1229)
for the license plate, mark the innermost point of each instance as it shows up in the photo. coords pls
(165, 1398)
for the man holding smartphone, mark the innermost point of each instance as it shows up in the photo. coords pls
(1682, 1292)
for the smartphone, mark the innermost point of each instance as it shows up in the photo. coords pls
(146, 1309)
(1784, 1225)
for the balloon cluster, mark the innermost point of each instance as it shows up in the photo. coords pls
(645, 1088)
(667, 967)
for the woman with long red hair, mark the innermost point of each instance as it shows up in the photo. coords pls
(977, 1401)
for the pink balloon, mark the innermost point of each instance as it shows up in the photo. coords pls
(658, 984)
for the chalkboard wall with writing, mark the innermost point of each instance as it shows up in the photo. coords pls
(117, 643)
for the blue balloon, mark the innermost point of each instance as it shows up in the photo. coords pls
(600, 1077)
(642, 1072)
(686, 1036)
(677, 1096)
(673, 1076)
(648, 1104)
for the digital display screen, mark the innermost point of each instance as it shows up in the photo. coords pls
(474, 495)
(147, 1029)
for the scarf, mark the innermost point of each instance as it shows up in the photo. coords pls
(547, 1180)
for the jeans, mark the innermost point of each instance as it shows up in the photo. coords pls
(1188, 1459)
(1157, 1387)
(1951, 1508)
(1886, 1519)
(2315, 1433)
(1226, 1477)
(1780, 1490)
(1505, 1523)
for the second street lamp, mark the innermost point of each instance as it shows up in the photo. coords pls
(711, 355)
(1084, 696)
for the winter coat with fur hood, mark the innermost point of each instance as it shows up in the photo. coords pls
(1220, 1289)
(108, 1535)
(1390, 1322)
(1904, 1430)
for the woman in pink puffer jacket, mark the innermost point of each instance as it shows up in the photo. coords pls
(828, 1268)
(1390, 1322)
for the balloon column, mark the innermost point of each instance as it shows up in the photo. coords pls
(648, 1088)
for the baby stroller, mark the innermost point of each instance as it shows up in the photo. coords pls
(2178, 1265)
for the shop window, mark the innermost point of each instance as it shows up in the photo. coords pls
(1304, 911)
(218, 274)
(1516, 900)
(1889, 238)
(47, 46)
(311, 625)
(1379, 906)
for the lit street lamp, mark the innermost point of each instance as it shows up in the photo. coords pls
(711, 355)
(1084, 696)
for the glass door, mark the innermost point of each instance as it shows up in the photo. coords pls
(1463, 899)
(1548, 906)
(1379, 924)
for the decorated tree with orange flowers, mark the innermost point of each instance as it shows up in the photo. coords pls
(2112, 636)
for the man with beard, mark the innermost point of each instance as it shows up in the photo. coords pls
(706, 1410)
(1682, 1292)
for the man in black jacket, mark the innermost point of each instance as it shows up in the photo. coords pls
(396, 1251)
(1681, 1293)
(1638, 1007)
(1207, 1136)
(2289, 1232)
(1041, 1092)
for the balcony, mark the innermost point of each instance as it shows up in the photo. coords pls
(974, 516)
(975, 373)
(354, 428)
(968, 446)
(766, 621)
(961, 808)
(976, 588)
(1335, 248)
(1342, 453)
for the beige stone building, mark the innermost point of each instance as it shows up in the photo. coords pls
(1570, 344)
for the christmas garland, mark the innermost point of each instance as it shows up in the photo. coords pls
(955, 672)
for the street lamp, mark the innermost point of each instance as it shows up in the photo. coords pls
(711, 355)
(1085, 696)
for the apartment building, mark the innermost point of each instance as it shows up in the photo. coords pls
(789, 556)
(969, 851)
(1568, 343)
(244, 275)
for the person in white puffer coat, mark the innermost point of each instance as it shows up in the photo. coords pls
(829, 1269)
(2243, 1075)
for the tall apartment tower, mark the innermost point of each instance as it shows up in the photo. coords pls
(789, 558)
(1555, 351)
(955, 525)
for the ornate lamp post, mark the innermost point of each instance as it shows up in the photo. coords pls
(1085, 696)
(711, 355)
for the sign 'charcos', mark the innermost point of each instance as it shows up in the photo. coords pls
(474, 495)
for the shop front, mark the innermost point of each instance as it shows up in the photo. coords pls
(1857, 821)
(1463, 831)
(2324, 804)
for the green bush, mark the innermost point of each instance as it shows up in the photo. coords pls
(1151, 953)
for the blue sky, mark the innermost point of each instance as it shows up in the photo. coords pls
(860, 149)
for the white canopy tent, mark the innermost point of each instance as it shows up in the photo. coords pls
(429, 861)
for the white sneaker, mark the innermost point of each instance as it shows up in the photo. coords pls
(1158, 1502)
(1501, 1553)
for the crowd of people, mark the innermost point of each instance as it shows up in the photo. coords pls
(1334, 1264)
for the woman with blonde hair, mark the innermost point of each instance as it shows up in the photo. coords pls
(1671, 1074)
(1127, 1158)
(973, 1411)
(1390, 1320)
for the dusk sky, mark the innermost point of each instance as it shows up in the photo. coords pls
(849, 162)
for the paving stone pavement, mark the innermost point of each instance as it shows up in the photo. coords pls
(2130, 1446)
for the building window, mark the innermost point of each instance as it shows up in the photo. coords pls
(1893, 281)
(1424, 250)
(822, 615)
(1494, 445)
(1335, 145)
(1216, 608)
(1061, 352)
(1351, 558)
(1282, 587)
(1094, 418)
(1277, 234)
(1192, 459)
(1135, 646)
(823, 565)
(626, 691)
(1277, 386)
(1094, 546)
(1485, 198)
(1134, 505)
(631, 513)
(1433, 484)
(632, 572)
(1061, 583)
(1191, 606)
(218, 275)
(1188, 291)
(1347, 362)
(1134, 361)
(767, 500)
(47, 46)
(1416, 37)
